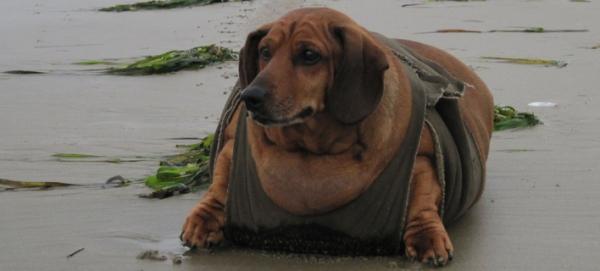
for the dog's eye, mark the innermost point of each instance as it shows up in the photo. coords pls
(265, 53)
(310, 57)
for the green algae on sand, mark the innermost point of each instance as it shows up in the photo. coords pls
(15, 185)
(12, 184)
(527, 61)
(74, 155)
(95, 62)
(90, 158)
(182, 173)
(538, 29)
(452, 30)
(160, 4)
(507, 117)
(172, 61)
(456, 0)
(23, 72)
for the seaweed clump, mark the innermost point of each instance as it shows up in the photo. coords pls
(172, 61)
(23, 72)
(160, 4)
(538, 29)
(182, 173)
(527, 61)
(12, 184)
(507, 117)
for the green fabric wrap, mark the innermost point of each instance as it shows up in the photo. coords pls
(459, 165)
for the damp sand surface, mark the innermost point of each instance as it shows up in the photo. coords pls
(540, 209)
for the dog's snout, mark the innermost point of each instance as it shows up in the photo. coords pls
(254, 97)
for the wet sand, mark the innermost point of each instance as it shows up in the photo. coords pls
(540, 209)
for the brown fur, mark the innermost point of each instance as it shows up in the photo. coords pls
(353, 133)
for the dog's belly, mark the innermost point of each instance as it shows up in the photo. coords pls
(309, 184)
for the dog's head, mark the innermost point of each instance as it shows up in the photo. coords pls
(311, 60)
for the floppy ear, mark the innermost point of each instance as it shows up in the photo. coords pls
(358, 80)
(248, 64)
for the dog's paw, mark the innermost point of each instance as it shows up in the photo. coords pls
(431, 246)
(203, 227)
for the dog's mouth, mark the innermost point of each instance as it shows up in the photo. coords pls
(267, 121)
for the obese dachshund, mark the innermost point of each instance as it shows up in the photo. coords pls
(329, 105)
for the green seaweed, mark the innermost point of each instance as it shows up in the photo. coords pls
(12, 184)
(524, 30)
(167, 176)
(23, 72)
(457, 0)
(182, 173)
(516, 150)
(430, 1)
(507, 117)
(195, 58)
(95, 62)
(452, 30)
(89, 158)
(104, 160)
(74, 155)
(527, 61)
(538, 29)
(160, 4)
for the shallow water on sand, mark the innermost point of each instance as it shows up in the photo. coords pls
(540, 210)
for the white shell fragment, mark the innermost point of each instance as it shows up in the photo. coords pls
(542, 104)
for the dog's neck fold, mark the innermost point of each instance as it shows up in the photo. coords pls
(319, 134)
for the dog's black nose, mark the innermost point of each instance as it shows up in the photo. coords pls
(254, 97)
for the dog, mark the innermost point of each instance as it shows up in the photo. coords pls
(333, 140)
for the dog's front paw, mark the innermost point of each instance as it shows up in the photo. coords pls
(203, 227)
(430, 246)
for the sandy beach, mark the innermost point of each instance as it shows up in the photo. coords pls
(541, 205)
